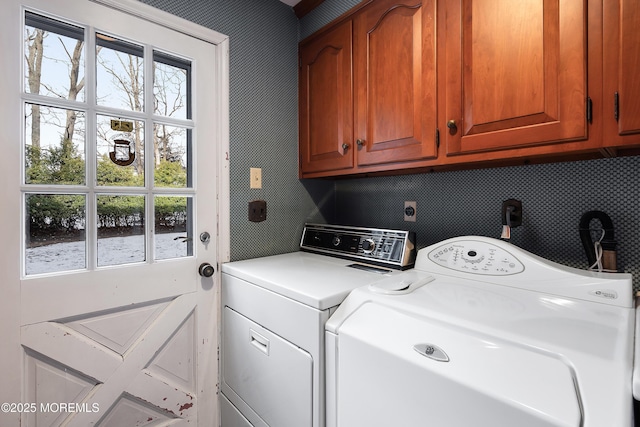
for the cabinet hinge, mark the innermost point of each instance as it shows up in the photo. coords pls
(437, 138)
(616, 106)
(589, 110)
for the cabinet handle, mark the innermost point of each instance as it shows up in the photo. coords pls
(360, 142)
(453, 127)
(345, 146)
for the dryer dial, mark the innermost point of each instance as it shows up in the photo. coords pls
(368, 246)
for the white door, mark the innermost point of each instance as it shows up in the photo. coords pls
(112, 125)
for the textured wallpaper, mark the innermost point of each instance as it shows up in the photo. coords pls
(554, 197)
(263, 44)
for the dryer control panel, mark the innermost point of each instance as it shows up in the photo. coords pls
(388, 248)
(476, 257)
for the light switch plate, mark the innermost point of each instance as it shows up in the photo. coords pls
(255, 178)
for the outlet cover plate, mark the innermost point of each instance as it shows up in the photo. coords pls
(257, 210)
(410, 211)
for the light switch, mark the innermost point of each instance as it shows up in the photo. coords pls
(255, 178)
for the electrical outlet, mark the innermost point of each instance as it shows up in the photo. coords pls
(257, 210)
(410, 211)
(255, 178)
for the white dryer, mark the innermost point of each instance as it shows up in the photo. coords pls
(273, 314)
(482, 333)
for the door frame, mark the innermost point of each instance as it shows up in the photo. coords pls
(11, 355)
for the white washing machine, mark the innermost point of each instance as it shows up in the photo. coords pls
(482, 333)
(273, 315)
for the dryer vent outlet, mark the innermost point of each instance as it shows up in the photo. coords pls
(257, 210)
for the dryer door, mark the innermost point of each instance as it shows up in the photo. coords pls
(271, 375)
(394, 369)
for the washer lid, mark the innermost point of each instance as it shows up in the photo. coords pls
(593, 341)
(459, 378)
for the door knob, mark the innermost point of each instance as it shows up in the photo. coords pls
(453, 127)
(206, 269)
(345, 146)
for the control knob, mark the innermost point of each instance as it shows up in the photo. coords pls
(368, 245)
(336, 240)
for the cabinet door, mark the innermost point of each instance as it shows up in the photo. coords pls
(515, 73)
(326, 102)
(395, 81)
(621, 68)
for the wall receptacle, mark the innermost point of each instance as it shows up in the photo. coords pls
(410, 211)
(257, 210)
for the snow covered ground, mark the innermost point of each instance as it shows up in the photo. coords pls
(111, 251)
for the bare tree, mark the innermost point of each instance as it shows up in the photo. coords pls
(168, 99)
(34, 54)
(75, 86)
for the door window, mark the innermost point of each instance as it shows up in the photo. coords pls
(126, 105)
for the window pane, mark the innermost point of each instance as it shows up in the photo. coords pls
(120, 154)
(55, 233)
(54, 145)
(120, 230)
(173, 229)
(119, 69)
(171, 86)
(172, 156)
(54, 58)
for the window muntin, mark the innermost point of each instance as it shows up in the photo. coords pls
(62, 129)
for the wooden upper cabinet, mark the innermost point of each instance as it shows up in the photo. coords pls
(515, 74)
(395, 81)
(326, 102)
(367, 90)
(621, 72)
